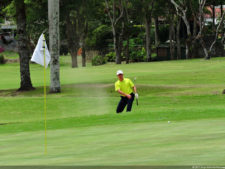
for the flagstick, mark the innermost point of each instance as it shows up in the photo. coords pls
(45, 105)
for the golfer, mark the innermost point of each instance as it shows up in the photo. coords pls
(125, 87)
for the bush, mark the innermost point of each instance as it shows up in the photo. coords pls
(138, 55)
(2, 59)
(111, 56)
(99, 60)
(154, 56)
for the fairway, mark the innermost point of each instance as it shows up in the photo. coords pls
(178, 143)
(83, 128)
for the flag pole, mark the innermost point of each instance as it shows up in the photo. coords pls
(45, 102)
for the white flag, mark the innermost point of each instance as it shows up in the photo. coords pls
(38, 55)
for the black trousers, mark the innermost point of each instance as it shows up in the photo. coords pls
(125, 101)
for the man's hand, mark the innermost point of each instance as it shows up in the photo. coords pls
(128, 96)
(124, 94)
(136, 95)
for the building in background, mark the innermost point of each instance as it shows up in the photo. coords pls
(209, 17)
(7, 35)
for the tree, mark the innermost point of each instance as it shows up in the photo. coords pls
(24, 53)
(115, 13)
(172, 20)
(3, 4)
(199, 18)
(53, 14)
(127, 29)
(37, 20)
(72, 36)
(181, 9)
(178, 37)
(76, 14)
(147, 10)
(221, 23)
(159, 10)
(144, 13)
(198, 14)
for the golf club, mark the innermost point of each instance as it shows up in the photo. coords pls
(136, 97)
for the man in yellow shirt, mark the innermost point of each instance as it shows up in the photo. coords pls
(125, 87)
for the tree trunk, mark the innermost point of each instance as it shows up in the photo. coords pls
(118, 54)
(178, 38)
(72, 41)
(189, 38)
(156, 31)
(73, 55)
(207, 55)
(148, 37)
(25, 83)
(53, 15)
(171, 37)
(127, 50)
(116, 46)
(114, 20)
(195, 28)
(74, 58)
(83, 56)
(120, 40)
(83, 44)
(182, 11)
(188, 48)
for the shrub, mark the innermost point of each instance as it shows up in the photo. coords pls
(111, 56)
(2, 59)
(99, 60)
(138, 55)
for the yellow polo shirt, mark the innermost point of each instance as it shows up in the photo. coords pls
(125, 86)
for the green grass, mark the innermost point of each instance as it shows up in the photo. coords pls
(10, 55)
(83, 128)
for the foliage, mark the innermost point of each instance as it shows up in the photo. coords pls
(99, 60)
(164, 33)
(37, 19)
(111, 56)
(137, 52)
(2, 59)
(154, 56)
(99, 38)
(9, 10)
(138, 55)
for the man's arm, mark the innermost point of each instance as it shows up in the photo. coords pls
(124, 94)
(135, 89)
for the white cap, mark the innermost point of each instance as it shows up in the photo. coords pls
(119, 72)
